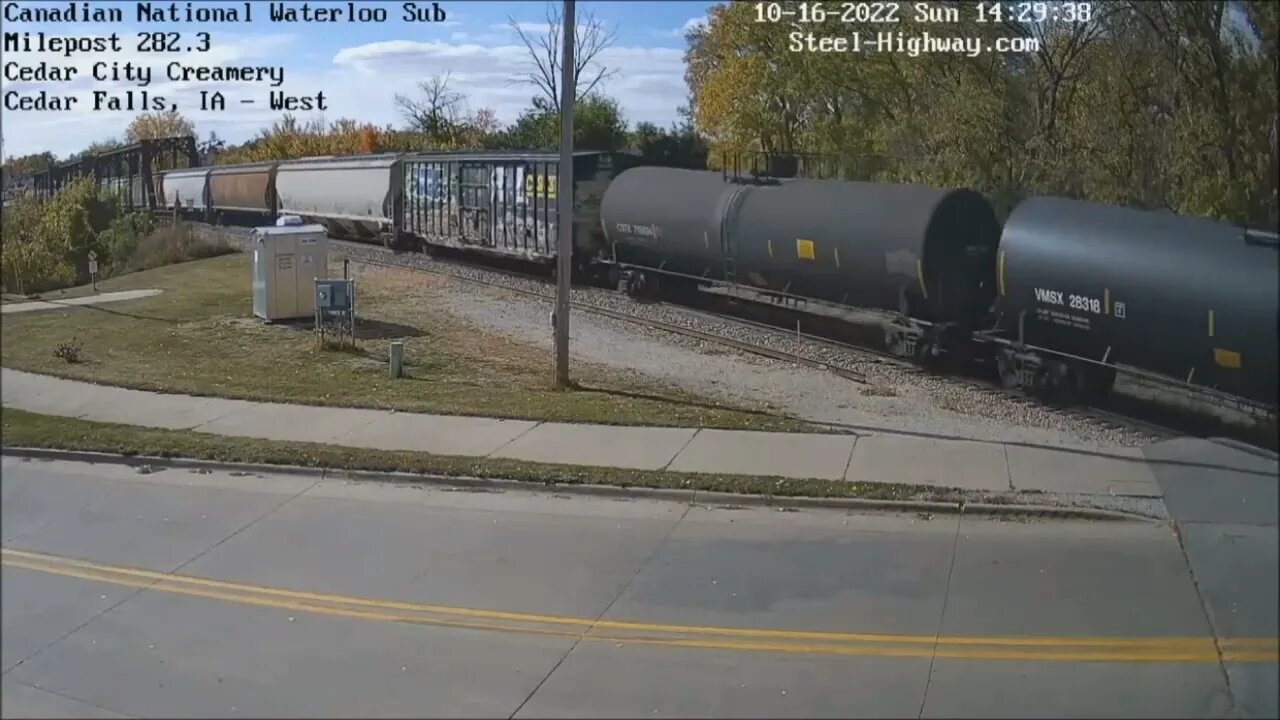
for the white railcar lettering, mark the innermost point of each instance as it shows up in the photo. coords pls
(1075, 302)
(1049, 296)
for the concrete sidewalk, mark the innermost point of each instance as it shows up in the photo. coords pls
(881, 457)
(21, 307)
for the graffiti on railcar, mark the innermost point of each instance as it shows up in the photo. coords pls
(430, 203)
(508, 206)
(427, 182)
(524, 219)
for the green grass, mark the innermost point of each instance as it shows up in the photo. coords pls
(31, 430)
(199, 337)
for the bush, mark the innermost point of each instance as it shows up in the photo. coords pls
(173, 244)
(120, 239)
(34, 257)
(46, 245)
(70, 352)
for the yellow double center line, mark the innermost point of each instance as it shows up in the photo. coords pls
(1079, 649)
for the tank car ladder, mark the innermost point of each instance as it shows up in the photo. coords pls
(731, 275)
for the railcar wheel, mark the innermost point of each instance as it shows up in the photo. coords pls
(636, 285)
(925, 356)
(1008, 369)
(896, 343)
(1096, 382)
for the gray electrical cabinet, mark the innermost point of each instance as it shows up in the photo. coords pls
(286, 263)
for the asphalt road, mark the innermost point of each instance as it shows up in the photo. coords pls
(178, 594)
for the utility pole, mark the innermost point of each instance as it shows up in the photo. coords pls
(564, 198)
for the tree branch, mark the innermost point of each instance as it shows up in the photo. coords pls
(591, 38)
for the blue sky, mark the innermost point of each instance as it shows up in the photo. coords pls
(360, 67)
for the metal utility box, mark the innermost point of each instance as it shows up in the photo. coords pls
(286, 263)
(335, 302)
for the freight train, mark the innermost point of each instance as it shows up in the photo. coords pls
(1061, 296)
(494, 203)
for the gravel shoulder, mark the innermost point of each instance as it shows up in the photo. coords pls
(894, 400)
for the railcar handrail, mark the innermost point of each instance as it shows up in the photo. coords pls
(1261, 237)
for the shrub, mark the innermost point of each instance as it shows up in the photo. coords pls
(70, 352)
(174, 244)
(120, 239)
(34, 258)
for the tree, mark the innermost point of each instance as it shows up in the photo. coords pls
(1152, 103)
(28, 164)
(368, 139)
(210, 147)
(46, 245)
(437, 111)
(26, 257)
(439, 118)
(680, 146)
(597, 125)
(743, 83)
(153, 126)
(99, 146)
(591, 38)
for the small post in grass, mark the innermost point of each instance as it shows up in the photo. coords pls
(397, 358)
(93, 269)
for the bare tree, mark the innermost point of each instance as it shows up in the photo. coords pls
(436, 111)
(591, 38)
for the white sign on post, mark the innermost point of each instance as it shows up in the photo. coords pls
(93, 267)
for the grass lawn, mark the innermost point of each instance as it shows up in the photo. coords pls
(199, 337)
(32, 430)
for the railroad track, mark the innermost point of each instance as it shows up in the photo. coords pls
(1097, 416)
(673, 328)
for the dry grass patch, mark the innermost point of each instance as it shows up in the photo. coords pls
(199, 337)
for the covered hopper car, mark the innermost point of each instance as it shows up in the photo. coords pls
(357, 197)
(243, 191)
(188, 187)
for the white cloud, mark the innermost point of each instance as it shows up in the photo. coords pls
(689, 26)
(534, 28)
(358, 82)
(692, 23)
(649, 82)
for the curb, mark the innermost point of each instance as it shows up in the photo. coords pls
(1244, 447)
(694, 497)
